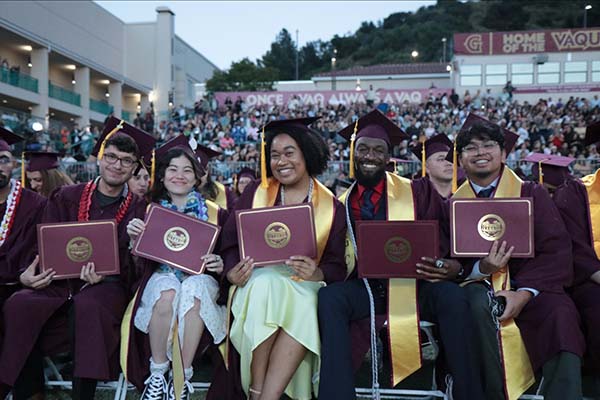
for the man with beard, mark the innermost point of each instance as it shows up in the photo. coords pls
(432, 154)
(21, 210)
(83, 315)
(344, 307)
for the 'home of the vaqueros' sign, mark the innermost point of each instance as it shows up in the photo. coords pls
(325, 97)
(521, 42)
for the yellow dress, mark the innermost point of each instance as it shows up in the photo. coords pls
(271, 300)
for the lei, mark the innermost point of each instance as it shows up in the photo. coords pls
(12, 202)
(85, 202)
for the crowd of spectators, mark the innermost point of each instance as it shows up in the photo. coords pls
(552, 126)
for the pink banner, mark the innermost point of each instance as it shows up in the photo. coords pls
(559, 89)
(323, 97)
(522, 42)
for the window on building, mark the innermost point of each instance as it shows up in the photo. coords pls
(470, 75)
(549, 73)
(496, 74)
(595, 71)
(576, 72)
(521, 74)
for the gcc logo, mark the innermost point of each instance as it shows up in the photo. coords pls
(176, 239)
(474, 43)
(277, 235)
(397, 249)
(491, 227)
(79, 249)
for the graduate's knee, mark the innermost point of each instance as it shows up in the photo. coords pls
(479, 301)
(164, 304)
(449, 298)
(331, 301)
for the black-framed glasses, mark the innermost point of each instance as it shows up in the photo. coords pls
(486, 147)
(126, 162)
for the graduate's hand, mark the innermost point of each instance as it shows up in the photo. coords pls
(515, 301)
(305, 268)
(89, 275)
(240, 274)
(214, 262)
(135, 227)
(497, 259)
(29, 279)
(439, 269)
(596, 277)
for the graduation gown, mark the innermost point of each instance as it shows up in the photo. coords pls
(571, 199)
(40, 316)
(136, 365)
(549, 322)
(226, 383)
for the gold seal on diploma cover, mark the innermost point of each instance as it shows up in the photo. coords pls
(397, 249)
(277, 235)
(79, 249)
(491, 227)
(176, 238)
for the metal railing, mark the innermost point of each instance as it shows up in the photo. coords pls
(62, 94)
(100, 106)
(18, 79)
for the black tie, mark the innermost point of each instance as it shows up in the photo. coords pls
(367, 209)
(486, 192)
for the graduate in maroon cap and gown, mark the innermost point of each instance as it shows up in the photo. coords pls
(81, 314)
(434, 166)
(21, 210)
(167, 295)
(275, 328)
(578, 202)
(212, 190)
(544, 314)
(43, 173)
(345, 307)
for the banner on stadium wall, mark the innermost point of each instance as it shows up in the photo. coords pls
(559, 89)
(523, 42)
(333, 97)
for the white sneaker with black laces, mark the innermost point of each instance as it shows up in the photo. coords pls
(186, 391)
(156, 388)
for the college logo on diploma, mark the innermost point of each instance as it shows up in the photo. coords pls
(277, 235)
(79, 249)
(176, 238)
(491, 227)
(397, 249)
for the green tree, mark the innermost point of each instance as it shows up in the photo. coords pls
(243, 75)
(282, 56)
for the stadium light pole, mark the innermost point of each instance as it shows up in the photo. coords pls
(333, 60)
(297, 54)
(414, 55)
(585, 10)
(443, 50)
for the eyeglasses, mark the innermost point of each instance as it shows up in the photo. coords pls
(486, 147)
(126, 162)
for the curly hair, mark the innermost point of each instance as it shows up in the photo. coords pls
(313, 147)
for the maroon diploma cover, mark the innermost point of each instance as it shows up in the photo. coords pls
(391, 249)
(176, 239)
(271, 235)
(476, 223)
(67, 246)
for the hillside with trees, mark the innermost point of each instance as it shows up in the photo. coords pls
(394, 38)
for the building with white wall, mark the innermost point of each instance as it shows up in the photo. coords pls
(76, 61)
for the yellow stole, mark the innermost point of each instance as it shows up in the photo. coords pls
(593, 192)
(127, 324)
(324, 212)
(221, 198)
(518, 374)
(403, 317)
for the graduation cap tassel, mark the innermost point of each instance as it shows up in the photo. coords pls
(115, 130)
(153, 168)
(263, 162)
(541, 174)
(352, 140)
(23, 169)
(423, 159)
(454, 169)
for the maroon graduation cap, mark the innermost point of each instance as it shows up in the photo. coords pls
(554, 169)
(41, 160)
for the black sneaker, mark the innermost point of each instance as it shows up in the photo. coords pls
(185, 391)
(156, 388)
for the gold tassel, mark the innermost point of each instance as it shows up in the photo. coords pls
(115, 130)
(423, 159)
(454, 169)
(263, 162)
(235, 179)
(352, 140)
(23, 169)
(153, 168)
(540, 173)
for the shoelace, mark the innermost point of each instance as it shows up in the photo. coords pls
(185, 391)
(156, 387)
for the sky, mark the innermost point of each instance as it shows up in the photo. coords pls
(227, 31)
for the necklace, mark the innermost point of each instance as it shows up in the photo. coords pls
(85, 202)
(12, 202)
(310, 192)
